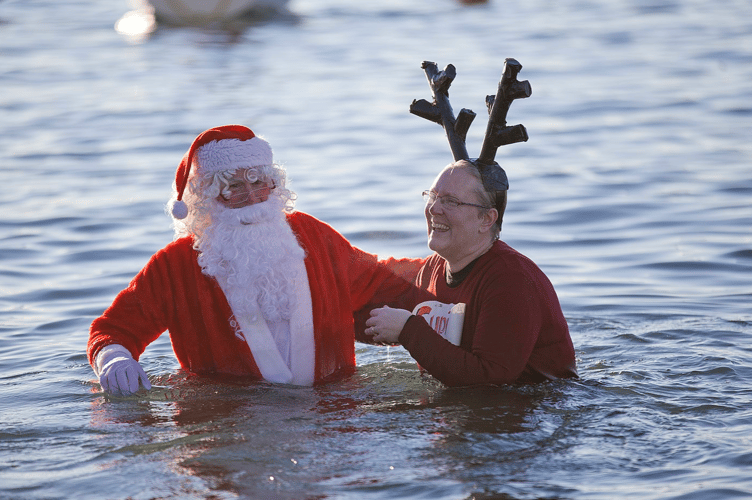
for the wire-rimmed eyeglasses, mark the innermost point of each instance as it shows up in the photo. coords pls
(448, 201)
(238, 199)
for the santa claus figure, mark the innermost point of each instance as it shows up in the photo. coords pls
(249, 286)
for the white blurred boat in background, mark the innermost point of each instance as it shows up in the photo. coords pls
(140, 22)
(208, 12)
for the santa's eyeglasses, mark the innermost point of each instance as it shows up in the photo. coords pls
(241, 197)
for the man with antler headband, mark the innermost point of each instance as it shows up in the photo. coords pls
(494, 317)
(249, 287)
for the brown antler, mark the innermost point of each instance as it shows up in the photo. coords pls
(497, 131)
(440, 111)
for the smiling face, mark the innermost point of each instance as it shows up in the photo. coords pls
(462, 233)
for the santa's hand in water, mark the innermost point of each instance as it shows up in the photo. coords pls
(118, 372)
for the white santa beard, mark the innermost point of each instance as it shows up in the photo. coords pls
(249, 250)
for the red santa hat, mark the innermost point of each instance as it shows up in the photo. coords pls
(228, 147)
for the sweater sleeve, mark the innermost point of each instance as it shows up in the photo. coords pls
(502, 332)
(398, 292)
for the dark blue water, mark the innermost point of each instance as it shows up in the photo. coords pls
(634, 195)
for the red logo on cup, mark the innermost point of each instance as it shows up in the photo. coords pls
(424, 310)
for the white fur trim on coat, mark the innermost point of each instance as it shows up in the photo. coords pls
(264, 349)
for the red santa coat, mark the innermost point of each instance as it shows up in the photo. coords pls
(171, 293)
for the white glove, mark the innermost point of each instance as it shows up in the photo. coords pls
(118, 372)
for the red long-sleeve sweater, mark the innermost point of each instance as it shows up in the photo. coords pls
(514, 329)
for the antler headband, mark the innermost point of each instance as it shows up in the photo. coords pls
(497, 132)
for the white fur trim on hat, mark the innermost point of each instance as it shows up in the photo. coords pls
(231, 154)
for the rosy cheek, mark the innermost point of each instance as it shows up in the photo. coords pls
(262, 194)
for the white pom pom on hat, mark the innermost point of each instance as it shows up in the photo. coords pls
(228, 147)
(179, 209)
